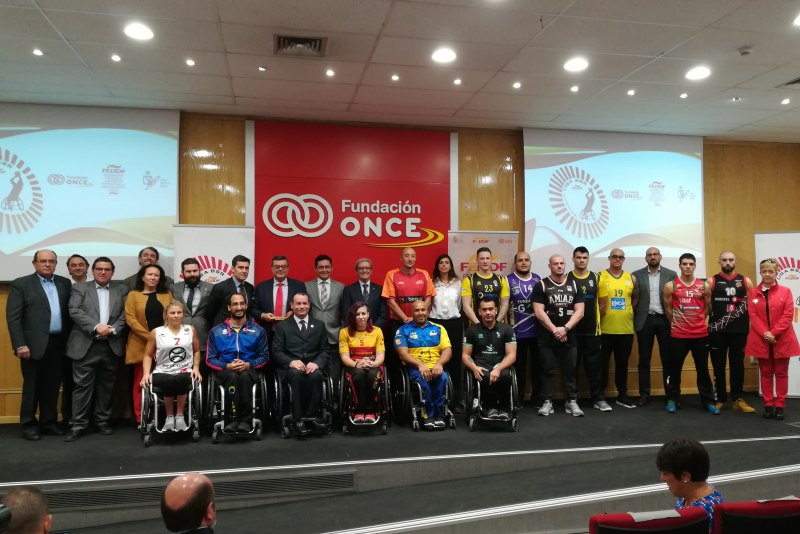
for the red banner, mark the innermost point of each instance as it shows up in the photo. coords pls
(349, 192)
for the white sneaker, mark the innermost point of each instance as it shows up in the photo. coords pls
(573, 408)
(169, 424)
(602, 406)
(180, 423)
(546, 409)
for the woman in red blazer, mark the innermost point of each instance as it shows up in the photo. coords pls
(772, 339)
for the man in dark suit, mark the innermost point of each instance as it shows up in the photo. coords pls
(366, 291)
(300, 349)
(217, 309)
(194, 294)
(96, 345)
(37, 313)
(272, 298)
(649, 319)
(147, 256)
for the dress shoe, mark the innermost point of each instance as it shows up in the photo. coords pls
(644, 400)
(768, 412)
(300, 428)
(779, 415)
(244, 427)
(104, 429)
(73, 435)
(52, 430)
(32, 435)
(233, 426)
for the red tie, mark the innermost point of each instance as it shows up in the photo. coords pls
(279, 301)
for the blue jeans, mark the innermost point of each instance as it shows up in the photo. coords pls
(432, 392)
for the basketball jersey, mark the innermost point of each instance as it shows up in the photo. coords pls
(477, 287)
(688, 309)
(174, 353)
(618, 318)
(559, 304)
(407, 289)
(729, 305)
(589, 286)
(521, 316)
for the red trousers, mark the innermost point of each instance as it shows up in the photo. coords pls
(779, 369)
(138, 373)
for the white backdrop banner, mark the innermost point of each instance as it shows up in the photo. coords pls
(784, 247)
(214, 247)
(463, 246)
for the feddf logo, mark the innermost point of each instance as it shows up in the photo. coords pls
(21, 205)
(578, 202)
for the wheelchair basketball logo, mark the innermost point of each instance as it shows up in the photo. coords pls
(22, 199)
(578, 202)
(177, 354)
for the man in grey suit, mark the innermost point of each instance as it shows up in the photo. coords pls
(193, 293)
(147, 256)
(96, 345)
(325, 296)
(38, 320)
(649, 319)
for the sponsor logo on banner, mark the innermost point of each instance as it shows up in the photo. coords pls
(505, 241)
(657, 190)
(789, 271)
(213, 270)
(619, 193)
(578, 201)
(149, 180)
(684, 194)
(471, 266)
(114, 179)
(60, 179)
(480, 240)
(22, 199)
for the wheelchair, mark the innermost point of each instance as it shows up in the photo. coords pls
(347, 405)
(474, 408)
(215, 409)
(154, 413)
(407, 403)
(281, 407)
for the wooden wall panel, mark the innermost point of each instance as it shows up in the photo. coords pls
(10, 373)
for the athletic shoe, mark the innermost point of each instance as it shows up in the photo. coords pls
(623, 400)
(573, 408)
(671, 408)
(180, 423)
(369, 418)
(169, 424)
(720, 405)
(644, 400)
(779, 414)
(547, 408)
(493, 413)
(712, 409)
(502, 415)
(429, 424)
(244, 427)
(358, 418)
(233, 426)
(740, 404)
(438, 422)
(602, 406)
(768, 412)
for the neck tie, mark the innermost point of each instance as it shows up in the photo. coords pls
(323, 294)
(243, 291)
(279, 300)
(303, 327)
(190, 302)
(365, 292)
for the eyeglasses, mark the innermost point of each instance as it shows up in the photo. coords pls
(365, 268)
(652, 254)
(103, 270)
(47, 262)
(615, 257)
(280, 267)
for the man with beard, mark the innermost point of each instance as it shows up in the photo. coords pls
(521, 317)
(728, 326)
(193, 293)
(147, 256)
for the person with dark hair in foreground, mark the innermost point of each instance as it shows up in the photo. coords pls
(188, 506)
(29, 514)
(217, 309)
(684, 466)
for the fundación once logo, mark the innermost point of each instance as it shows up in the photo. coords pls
(289, 215)
(578, 202)
(21, 203)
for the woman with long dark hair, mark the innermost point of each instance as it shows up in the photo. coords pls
(362, 350)
(446, 312)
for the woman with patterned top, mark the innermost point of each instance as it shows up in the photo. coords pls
(362, 350)
(684, 466)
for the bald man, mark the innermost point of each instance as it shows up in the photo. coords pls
(29, 514)
(188, 506)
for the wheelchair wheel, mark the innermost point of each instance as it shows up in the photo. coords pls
(145, 420)
(385, 428)
(515, 398)
(196, 435)
(148, 440)
(514, 425)
(400, 394)
(210, 404)
(215, 437)
(276, 405)
(472, 424)
(415, 425)
(468, 377)
(263, 407)
(259, 434)
(197, 408)
(342, 408)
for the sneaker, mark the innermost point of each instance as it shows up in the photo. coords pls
(768, 412)
(720, 405)
(502, 415)
(671, 408)
(644, 400)
(572, 407)
(233, 426)
(358, 418)
(546, 409)
(779, 414)
(741, 405)
(169, 424)
(369, 418)
(438, 422)
(493, 413)
(244, 427)
(602, 405)
(623, 400)
(180, 423)
(429, 424)
(712, 409)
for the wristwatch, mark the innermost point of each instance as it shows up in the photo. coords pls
(566, 328)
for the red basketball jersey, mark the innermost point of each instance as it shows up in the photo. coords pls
(688, 309)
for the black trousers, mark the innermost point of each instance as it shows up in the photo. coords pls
(172, 385)
(728, 347)
(389, 331)
(497, 395)
(67, 387)
(41, 380)
(238, 392)
(589, 355)
(306, 392)
(529, 348)
(455, 367)
(365, 387)
(655, 327)
(567, 357)
(334, 369)
(620, 345)
(680, 349)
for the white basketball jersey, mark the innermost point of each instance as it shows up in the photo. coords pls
(174, 352)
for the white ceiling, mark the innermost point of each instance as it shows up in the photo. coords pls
(644, 45)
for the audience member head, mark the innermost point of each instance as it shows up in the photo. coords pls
(684, 466)
(190, 269)
(188, 503)
(29, 514)
(364, 270)
(487, 309)
(102, 270)
(409, 257)
(444, 268)
(241, 267)
(45, 261)
(323, 266)
(77, 266)
(358, 318)
(484, 258)
(151, 278)
(300, 304)
(148, 256)
(280, 268)
(174, 313)
(420, 312)
(522, 263)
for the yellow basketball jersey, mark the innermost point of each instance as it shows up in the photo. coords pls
(617, 292)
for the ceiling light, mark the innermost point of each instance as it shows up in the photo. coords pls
(517, 85)
(631, 92)
(736, 98)
(190, 62)
(576, 64)
(684, 95)
(138, 31)
(262, 69)
(698, 73)
(329, 72)
(797, 21)
(785, 101)
(457, 81)
(37, 52)
(574, 89)
(444, 55)
(115, 57)
(395, 77)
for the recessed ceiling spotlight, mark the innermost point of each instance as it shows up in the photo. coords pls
(576, 64)
(797, 21)
(457, 81)
(574, 89)
(785, 101)
(115, 57)
(139, 31)
(37, 52)
(736, 98)
(444, 55)
(395, 77)
(329, 72)
(517, 85)
(684, 95)
(262, 69)
(698, 73)
(631, 92)
(190, 62)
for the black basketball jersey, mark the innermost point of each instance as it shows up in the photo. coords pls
(559, 303)
(588, 286)
(484, 287)
(729, 306)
